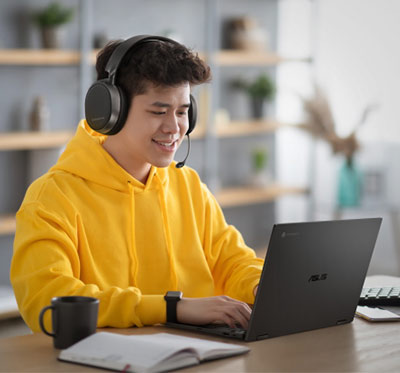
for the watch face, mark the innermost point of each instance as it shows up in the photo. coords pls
(173, 295)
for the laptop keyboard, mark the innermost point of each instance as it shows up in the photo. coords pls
(226, 330)
(380, 296)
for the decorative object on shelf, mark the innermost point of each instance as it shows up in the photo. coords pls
(100, 40)
(349, 184)
(39, 116)
(222, 118)
(320, 123)
(245, 33)
(50, 20)
(259, 159)
(260, 91)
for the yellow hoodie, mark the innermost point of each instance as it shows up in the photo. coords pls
(87, 227)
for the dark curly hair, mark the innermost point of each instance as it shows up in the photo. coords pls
(157, 62)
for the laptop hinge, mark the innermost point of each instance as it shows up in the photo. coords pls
(262, 336)
(340, 322)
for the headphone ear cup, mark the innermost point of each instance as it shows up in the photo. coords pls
(192, 114)
(123, 113)
(105, 107)
(102, 106)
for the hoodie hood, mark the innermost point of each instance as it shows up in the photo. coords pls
(84, 156)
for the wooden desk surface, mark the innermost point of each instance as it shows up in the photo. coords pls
(357, 347)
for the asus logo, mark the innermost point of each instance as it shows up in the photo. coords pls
(320, 277)
(289, 234)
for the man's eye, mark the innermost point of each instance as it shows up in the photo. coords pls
(158, 112)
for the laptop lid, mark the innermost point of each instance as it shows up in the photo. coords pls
(312, 276)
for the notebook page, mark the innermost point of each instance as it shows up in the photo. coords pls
(204, 348)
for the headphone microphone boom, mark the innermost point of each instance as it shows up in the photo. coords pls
(182, 163)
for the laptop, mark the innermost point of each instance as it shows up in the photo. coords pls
(312, 278)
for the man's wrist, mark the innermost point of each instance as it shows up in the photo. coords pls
(172, 298)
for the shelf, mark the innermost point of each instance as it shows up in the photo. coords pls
(247, 128)
(33, 140)
(232, 197)
(7, 224)
(39, 57)
(246, 58)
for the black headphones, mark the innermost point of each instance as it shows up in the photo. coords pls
(106, 106)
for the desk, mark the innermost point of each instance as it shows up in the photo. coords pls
(355, 347)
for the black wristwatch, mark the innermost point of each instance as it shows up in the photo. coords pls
(172, 298)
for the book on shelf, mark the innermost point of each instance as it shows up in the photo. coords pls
(146, 353)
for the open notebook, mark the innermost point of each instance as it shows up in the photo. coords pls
(146, 353)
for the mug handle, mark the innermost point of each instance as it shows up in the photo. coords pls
(41, 320)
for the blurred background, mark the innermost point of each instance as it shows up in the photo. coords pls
(300, 121)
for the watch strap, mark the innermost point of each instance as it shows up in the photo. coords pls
(172, 298)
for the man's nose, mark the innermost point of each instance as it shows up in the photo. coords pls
(171, 123)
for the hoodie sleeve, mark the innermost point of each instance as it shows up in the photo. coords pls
(46, 264)
(236, 269)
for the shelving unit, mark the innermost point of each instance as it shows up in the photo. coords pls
(218, 58)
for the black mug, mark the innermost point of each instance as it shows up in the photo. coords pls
(73, 318)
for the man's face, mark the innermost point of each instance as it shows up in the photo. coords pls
(155, 127)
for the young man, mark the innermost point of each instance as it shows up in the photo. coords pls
(116, 219)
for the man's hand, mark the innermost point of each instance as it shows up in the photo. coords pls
(221, 309)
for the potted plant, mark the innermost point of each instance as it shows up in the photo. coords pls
(50, 20)
(259, 158)
(260, 91)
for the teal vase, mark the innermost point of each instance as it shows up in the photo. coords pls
(350, 183)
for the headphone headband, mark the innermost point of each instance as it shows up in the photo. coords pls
(125, 46)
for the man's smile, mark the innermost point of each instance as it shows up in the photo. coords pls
(169, 145)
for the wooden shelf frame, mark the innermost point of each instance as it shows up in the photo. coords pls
(34, 140)
(240, 196)
(45, 57)
(7, 225)
(246, 58)
(248, 128)
(25, 57)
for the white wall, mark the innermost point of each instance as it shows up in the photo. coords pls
(357, 62)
